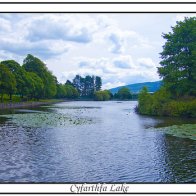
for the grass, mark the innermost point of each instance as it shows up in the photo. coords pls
(17, 99)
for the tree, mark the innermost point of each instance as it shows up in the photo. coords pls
(34, 64)
(102, 95)
(37, 86)
(69, 82)
(145, 101)
(124, 93)
(61, 91)
(87, 86)
(98, 83)
(78, 84)
(20, 76)
(71, 92)
(178, 65)
(7, 82)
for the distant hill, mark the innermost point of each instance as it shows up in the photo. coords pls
(135, 88)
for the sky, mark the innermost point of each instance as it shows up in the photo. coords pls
(121, 48)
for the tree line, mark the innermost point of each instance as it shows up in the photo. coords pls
(177, 97)
(33, 80)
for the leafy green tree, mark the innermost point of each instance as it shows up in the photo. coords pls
(61, 91)
(124, 93)
(7, 82)
(102, 95)
(20, 76)
(178, 65)
(145, 101)
(33, 64)
(98, 96)
(71, 92)
(37, 86)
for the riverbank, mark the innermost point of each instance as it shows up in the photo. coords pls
(29, 104)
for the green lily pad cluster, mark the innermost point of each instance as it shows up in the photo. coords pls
(182, 131)
(46, 119)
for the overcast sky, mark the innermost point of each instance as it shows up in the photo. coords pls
(121, 48)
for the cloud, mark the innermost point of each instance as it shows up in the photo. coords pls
(46, 35)
(42, 49)
(114, 71)
(107, 45)
(57, 30)
(181, 17)
(67, 27)
(124, 62)
(5, 25)
(117, 43)
(146, 62)
(110, 85)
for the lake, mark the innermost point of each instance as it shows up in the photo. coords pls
(87, 141)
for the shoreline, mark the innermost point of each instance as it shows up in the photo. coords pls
(31, 104)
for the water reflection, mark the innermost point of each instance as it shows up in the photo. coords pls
(117, 147)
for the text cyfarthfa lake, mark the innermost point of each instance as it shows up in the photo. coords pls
(87, 141)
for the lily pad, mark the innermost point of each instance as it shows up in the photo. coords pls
(182, 131)
(47, 119)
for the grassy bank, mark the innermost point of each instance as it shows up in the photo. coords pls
(28, 104)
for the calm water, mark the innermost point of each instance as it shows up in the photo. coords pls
(92, 142)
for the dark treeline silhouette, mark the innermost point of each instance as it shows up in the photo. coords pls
(33, 80)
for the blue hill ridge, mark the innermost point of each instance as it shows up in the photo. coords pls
(135, 88)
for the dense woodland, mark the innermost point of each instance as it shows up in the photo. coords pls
(177, 96)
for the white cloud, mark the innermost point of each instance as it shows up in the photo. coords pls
(5, 26)
(110, 85)
(181, 17)
(121, 48)
(146, 62)
(114, 71)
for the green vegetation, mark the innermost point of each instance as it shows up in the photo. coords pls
(88, 85)
(33, 81)
(102, 95)
(46, 119)
(177, 96)
(123, 94)
(182, 131)
(7, 82)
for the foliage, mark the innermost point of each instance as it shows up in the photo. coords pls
(182, 131)
(33, 80)
(123, 93)
(88, 85)
(179, 59)
(7, 82)
(66, 91)
(104, 95)
(33, 64)
(36, 86)
(161, 104)
(177, 95)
